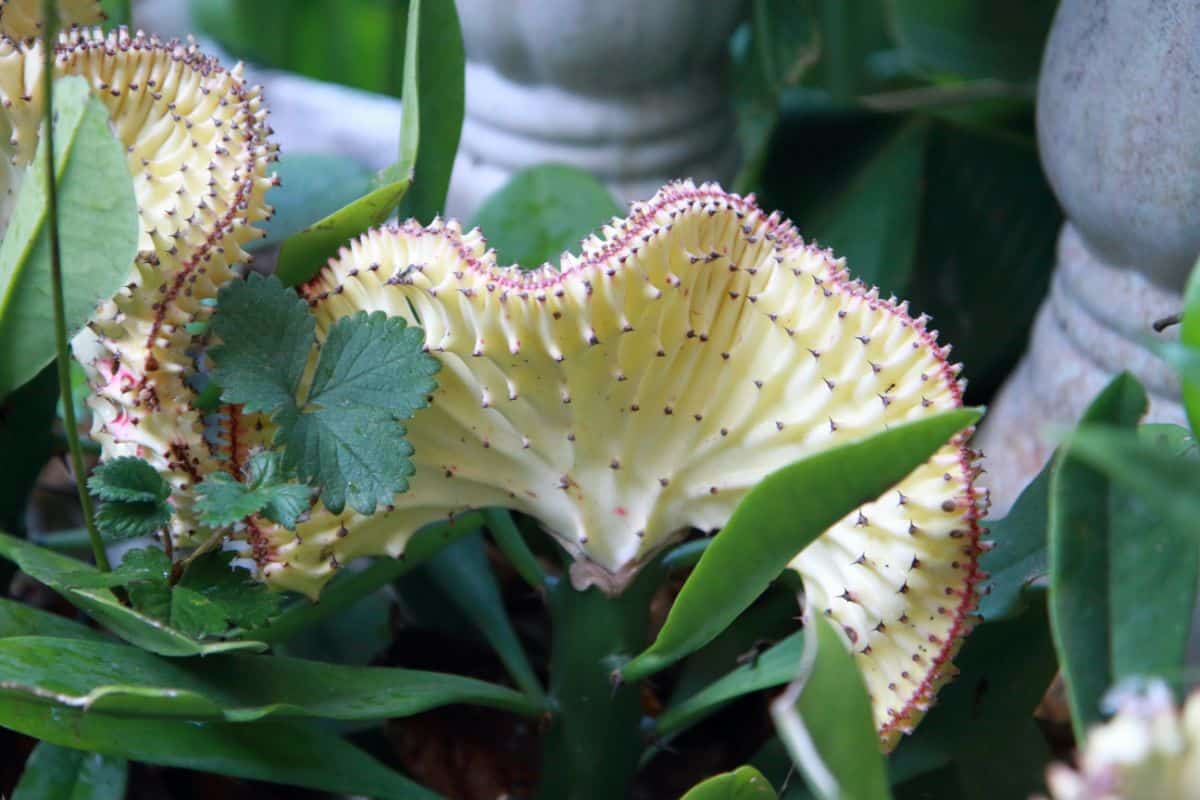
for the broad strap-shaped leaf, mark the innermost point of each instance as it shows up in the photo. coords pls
(825, 720)
(112, 678)
(97, 219)
(1189, 336)
(60, 773)
(743, 783)
(777, 521)
(1101, 583)
(281, 752)
(56, 571)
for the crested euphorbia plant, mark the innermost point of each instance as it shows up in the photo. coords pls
(629, 398)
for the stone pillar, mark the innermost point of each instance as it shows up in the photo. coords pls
(629, 90)
(1118, 120)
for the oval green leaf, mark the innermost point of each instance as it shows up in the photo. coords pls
(744, 783)
(769, 527)
(98, 234)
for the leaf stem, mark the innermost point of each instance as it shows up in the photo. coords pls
(56, 285)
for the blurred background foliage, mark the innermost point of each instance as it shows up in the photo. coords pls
(898, 132)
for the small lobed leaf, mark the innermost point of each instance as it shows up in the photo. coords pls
(250, 314)
(119, 521)
(239, 598)
(222, 500)
(195, 615)
(130, 479)
(372, 372)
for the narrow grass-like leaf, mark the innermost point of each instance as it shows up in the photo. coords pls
(462, 571)
(60, 773)
(117, 679)
(744, 783)
(98, 231)
(825, 720)
(775, 667)
(770, 527)
(281, 752)
(55, 569)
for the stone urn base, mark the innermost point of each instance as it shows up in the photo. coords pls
(1092, 326)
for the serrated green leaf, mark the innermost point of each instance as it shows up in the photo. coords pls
(249, 314)
(372, 372)
(133, 626)
(129, 479)
(769, 527)
(744, 783)
(119, 521)
(61, 773)
(222, 500)
(239, 598)
(193, 614)
(542, 211)
(825, 720)
(98, 234)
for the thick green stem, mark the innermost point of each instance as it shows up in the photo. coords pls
(592, 747)
(50, 10)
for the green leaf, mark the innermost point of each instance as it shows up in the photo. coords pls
(461, 570)
(281, 752)
(239, 598)
(311, 186)
(437, 77)
(769, 528)
(135, 627)
(1149, 464)
(141, 565)
(193, 614)
(875, 218)
(128, 478)
(18, 619)
(111, 678)
(119, 521)
(969, 40)
(1018, 556)
(303, 254)
(223, 500)
(744, 783)
(372, 372)
(825, 720)
(26, 420)
(775, 667)
(988, 231)
(259, 309)
(1189, 335)
(98, 234)
(542, 211)
(60, 773)
(1088, 519)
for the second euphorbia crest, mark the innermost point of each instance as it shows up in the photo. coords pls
(622, 398)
